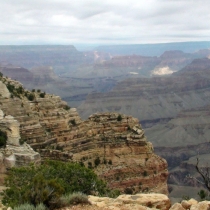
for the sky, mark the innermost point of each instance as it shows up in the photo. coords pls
(103, 22)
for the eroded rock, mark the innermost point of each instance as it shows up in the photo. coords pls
(132, 202)
(14, 154)
(112, 144)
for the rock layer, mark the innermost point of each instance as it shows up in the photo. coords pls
(14, 154)
(113, 145)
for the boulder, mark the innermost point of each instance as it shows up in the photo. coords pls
(177, 206)
(200, 206)
(132, 202)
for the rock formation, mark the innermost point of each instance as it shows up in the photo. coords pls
(174, 112)
(132, 202)
(113, 144)
(14, 154)
(144, 202)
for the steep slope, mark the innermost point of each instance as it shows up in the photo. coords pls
(180, 141)
(153, 99)
(113, 145)
(175, 111)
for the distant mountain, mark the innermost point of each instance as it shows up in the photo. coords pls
(73, 75)
(156, 98)
(61, 57)
(153, 49)
(128, 66)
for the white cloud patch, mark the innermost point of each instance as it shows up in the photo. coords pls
(111, 22)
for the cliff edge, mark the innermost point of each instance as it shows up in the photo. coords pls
(112, 144)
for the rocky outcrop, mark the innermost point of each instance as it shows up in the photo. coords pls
(119, 152)
(14, 154)
(3, 90)
(113, 144)
(11, 126)
(173, 110)
(132, 202)
(146, 202)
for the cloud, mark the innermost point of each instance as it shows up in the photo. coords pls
(111, 22)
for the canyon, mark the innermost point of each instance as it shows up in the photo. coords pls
(112, 144)
(173, 109)
(71, 74)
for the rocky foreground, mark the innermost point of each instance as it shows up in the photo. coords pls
(137, 202)
(141, 202)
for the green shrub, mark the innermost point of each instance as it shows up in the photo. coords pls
(22, 141)
(32, 184)
(110, 162)
(58, 147)
(90, 165)
(97, 161)
(66, 107)
(128, 191)
(42, 95)
(33, 90)
(27, 206)
(44, 191)
(1, 75)
(10, 87)
(104, 161)
(20, 90)
(40, 206)
(113, 193)
(119, 118)
(202, 194)
(73, 122)
(3, 138)
(31, 97)
(145, 173)
(74, 199)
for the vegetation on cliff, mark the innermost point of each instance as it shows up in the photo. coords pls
(3, 138)
(46, 183)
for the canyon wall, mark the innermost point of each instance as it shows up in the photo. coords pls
(112, 144)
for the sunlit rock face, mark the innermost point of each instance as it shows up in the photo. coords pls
(162, 71)
(3, 90)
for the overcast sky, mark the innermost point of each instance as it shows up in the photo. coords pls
(103, 22)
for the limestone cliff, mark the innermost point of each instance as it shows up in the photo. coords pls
(113, 144)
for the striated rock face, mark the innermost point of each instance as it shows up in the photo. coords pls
(113, 145)
(175, 112)
(119, 152)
